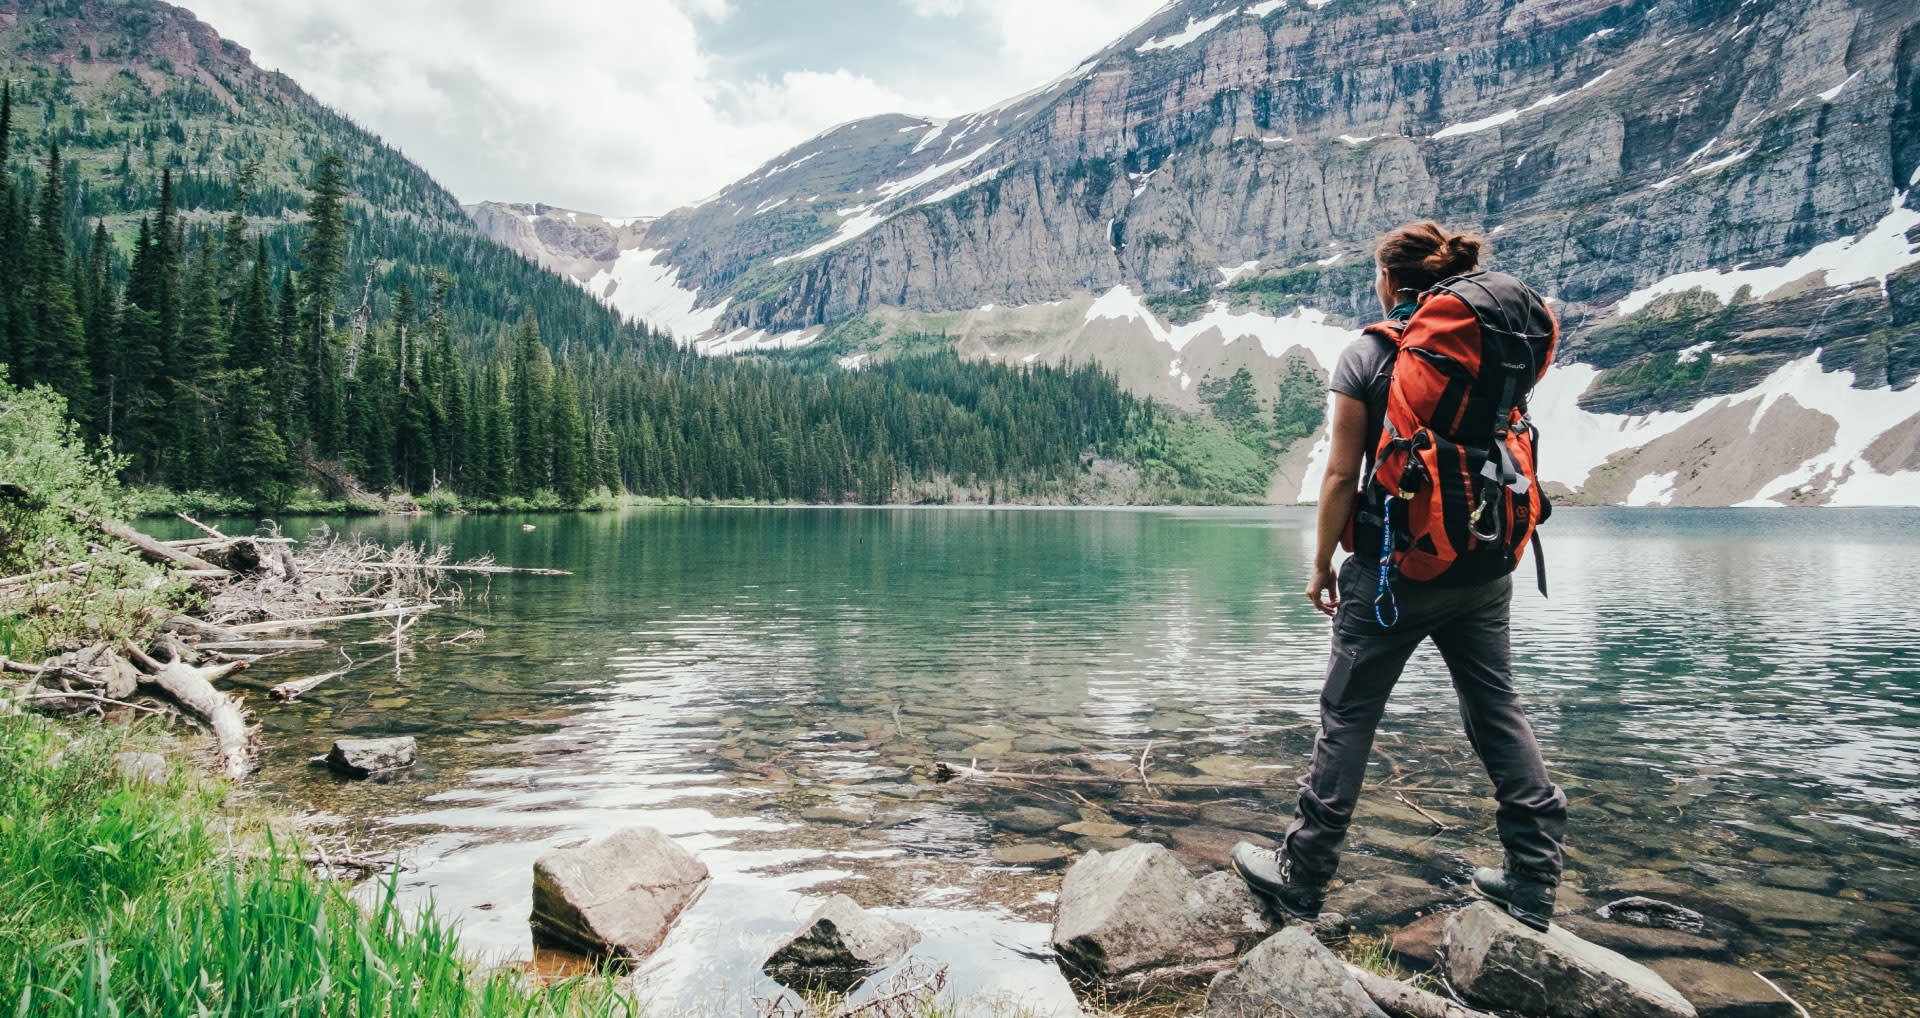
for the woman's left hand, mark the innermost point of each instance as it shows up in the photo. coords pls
(1322, 590)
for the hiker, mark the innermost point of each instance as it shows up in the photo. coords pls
(1440, 569)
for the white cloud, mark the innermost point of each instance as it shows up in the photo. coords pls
(615, 106)
(1039, 39)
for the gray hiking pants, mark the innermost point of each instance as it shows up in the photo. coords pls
(1469, 626)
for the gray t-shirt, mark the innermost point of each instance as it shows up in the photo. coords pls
(1363, 371)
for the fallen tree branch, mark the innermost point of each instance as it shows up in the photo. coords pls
(261, 645)
(203, 528)
(1410, 804)
(95, 698)
(279, 624)
(75, 568)
(293, 688)
(426, 567)
(943, 772)
(1403, 1001)
(192, 688)
(1783, 995)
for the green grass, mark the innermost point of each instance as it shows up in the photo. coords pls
(124, 898)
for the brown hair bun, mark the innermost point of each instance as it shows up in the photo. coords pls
(1422, 253)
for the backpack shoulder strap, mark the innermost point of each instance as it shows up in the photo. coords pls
(1389, 329)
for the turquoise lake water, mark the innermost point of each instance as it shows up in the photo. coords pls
(1731, 699)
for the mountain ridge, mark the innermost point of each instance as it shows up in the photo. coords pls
(1230, 161)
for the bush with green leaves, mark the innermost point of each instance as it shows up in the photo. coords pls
(117, 595)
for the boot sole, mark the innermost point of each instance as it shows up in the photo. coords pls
(1269, 897)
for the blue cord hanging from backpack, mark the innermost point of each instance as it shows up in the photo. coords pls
(1384, 595)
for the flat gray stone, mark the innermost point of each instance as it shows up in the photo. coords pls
(365, 758)
(1289, 975)
(616, 897)
(139, 767)
(1039, 742)
(1127, 915)
(1722, 991)
(836, 948)
(1497, 962)
(1032, 853)
(1031, 820)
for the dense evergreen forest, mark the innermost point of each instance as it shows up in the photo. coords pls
(216, 365)
(242, 292)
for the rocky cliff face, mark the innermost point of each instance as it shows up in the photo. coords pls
(1713, 191)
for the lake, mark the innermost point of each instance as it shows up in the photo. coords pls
(1731, 699)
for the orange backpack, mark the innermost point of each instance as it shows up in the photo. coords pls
(1454, 483)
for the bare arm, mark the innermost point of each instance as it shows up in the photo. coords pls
(1337, 493)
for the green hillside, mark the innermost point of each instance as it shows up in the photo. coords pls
(243, 293)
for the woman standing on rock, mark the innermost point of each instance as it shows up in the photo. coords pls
(1380, 618)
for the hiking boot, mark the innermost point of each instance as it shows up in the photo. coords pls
(1529, 901)
(1269, 874)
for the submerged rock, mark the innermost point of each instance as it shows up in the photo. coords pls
(1497, 962)
(1289, 975)
(1131, 917)
(616, 897)
(1722, 991)
(1652, 912)
(838, 947)
(367, 758)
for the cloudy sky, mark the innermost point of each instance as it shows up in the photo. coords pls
(633, 107)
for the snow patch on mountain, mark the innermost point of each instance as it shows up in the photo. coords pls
(860, 219)
(641, 285)
(1306, 328)
(1654, 489)
(1196, 27)
(1576, 442)
(966, 185)
(1875, 254)
(895, 188)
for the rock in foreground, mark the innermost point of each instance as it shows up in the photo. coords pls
(1290, 975)
(371, 758)
(1497, 962)
(838, 947)
(616, 897)
(1129, 917)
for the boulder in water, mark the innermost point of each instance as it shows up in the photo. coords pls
(1135, 916)
(1289, 975)
(616, 897)
(371, 758)
(837, 947)
(1497, 962)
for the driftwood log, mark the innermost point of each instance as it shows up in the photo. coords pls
(192, 688)
(1403, 1001)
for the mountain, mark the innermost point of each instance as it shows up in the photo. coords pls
(132, 88)
(242, 293)
(1718, 195)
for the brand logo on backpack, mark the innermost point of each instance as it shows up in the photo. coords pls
(1454, 476)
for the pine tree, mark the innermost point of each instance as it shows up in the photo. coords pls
(572, 471)
(532, 379)
(56, 353)
(11, 266)
(325, 254)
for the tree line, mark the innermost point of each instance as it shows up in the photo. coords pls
(221, 356)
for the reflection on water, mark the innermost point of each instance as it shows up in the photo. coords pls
(1730, 697)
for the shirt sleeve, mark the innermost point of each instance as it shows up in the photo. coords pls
(1358, 371)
